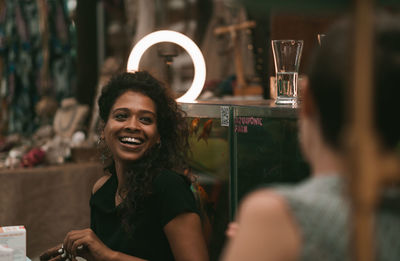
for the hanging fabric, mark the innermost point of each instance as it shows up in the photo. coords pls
(24, 55)
(3, 104)
(62, 54)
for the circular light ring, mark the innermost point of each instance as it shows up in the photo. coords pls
(186, 43)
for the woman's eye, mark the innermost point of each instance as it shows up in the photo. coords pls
(120, 116)
(146, 120)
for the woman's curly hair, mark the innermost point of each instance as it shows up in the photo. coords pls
(172, 127)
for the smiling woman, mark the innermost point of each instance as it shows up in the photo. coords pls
(142, 209)
(131, 128)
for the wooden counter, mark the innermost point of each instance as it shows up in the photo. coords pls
(48, 201)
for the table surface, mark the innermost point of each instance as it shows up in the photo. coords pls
(48, 201)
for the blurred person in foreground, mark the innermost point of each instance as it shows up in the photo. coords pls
(142, 208)
(310, 220)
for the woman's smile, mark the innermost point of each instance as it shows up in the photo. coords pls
(131, 140)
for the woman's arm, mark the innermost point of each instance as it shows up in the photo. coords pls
(265, 230)
(86, 244)
(186, 239)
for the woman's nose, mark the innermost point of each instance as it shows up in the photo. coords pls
(132, 124)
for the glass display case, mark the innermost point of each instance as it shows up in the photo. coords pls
(237, 147)
(264, 147)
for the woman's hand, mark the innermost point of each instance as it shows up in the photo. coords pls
(232, 229)
(53, 254)
(86, 244)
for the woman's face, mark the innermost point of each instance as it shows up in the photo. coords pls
(131, 129)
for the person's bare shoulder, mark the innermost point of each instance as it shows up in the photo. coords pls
(265, 202)
(272, 212)
(100, 182)
(266, 230)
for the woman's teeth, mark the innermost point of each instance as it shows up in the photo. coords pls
(131, 140)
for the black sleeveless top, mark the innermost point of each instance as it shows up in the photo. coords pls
(171, 196)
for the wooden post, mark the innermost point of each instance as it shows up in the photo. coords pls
(370, 166)
(363, 170)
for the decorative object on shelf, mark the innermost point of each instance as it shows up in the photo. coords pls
(58, 150)
(15, 155)
(219, 50)
(33, 158)
(69, 118)
(242, 87)
(45, 110)
(43, 134)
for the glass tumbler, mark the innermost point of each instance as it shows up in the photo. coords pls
(287, 55)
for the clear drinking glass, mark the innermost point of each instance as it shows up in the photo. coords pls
(287, 54)
(320, 38)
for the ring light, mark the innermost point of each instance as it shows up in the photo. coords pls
(186, 43)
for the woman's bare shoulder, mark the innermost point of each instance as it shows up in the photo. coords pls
(266, 229)
(264, 200)
(100, 182)
(267, 207)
